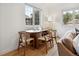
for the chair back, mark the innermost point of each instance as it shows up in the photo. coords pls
(50, 33)
(23, 36)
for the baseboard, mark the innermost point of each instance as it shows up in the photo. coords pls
(3, 53)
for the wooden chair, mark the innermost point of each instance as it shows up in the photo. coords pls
(54, 36)
(47, 38)
(24, 39)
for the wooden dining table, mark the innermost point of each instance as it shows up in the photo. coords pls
(35, 34)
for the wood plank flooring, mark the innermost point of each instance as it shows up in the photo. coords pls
(35, 52)
(29, 52)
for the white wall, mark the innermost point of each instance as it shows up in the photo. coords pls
(12, 20)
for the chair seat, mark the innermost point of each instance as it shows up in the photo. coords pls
(22, 44)
(28, 41)
(42, 38)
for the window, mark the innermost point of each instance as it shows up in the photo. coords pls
(32, 15)
(76, 14)
(71, 16)
(36, 17)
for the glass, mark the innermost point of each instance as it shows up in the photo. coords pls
(76, 14)
(37, 17)
(29, 15)
(67, 16)
(32, 15)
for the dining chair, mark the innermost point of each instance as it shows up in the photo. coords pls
(47, 38)
(54, 35)
(24, 40)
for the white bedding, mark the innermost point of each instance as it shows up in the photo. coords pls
(76, 43)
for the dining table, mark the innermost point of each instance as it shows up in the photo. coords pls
(35, 34)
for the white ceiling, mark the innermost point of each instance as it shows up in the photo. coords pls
(53, 7)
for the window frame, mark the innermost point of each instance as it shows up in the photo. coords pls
(72, 9)
(34, 16)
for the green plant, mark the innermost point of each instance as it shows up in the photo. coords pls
(67, 17)
(77, 16)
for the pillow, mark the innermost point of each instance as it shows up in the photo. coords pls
(69, 34)
(76, 44)
(69, 44)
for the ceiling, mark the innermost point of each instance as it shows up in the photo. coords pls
(53, 7)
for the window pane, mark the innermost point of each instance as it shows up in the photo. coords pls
(76, 17)
(67, 16)
(37, 17)
(29, 15)
(76, 14)
(32, 15)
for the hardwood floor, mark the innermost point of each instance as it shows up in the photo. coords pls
(35, 52)
(29, 52)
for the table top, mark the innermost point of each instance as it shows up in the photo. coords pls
(34, 31)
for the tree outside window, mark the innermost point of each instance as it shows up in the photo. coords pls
(71, 16)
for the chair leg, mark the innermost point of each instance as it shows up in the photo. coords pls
(18, 48)
(46, 48)
(24, 50)
(51, 44)
(55, 40)
(33, 43)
